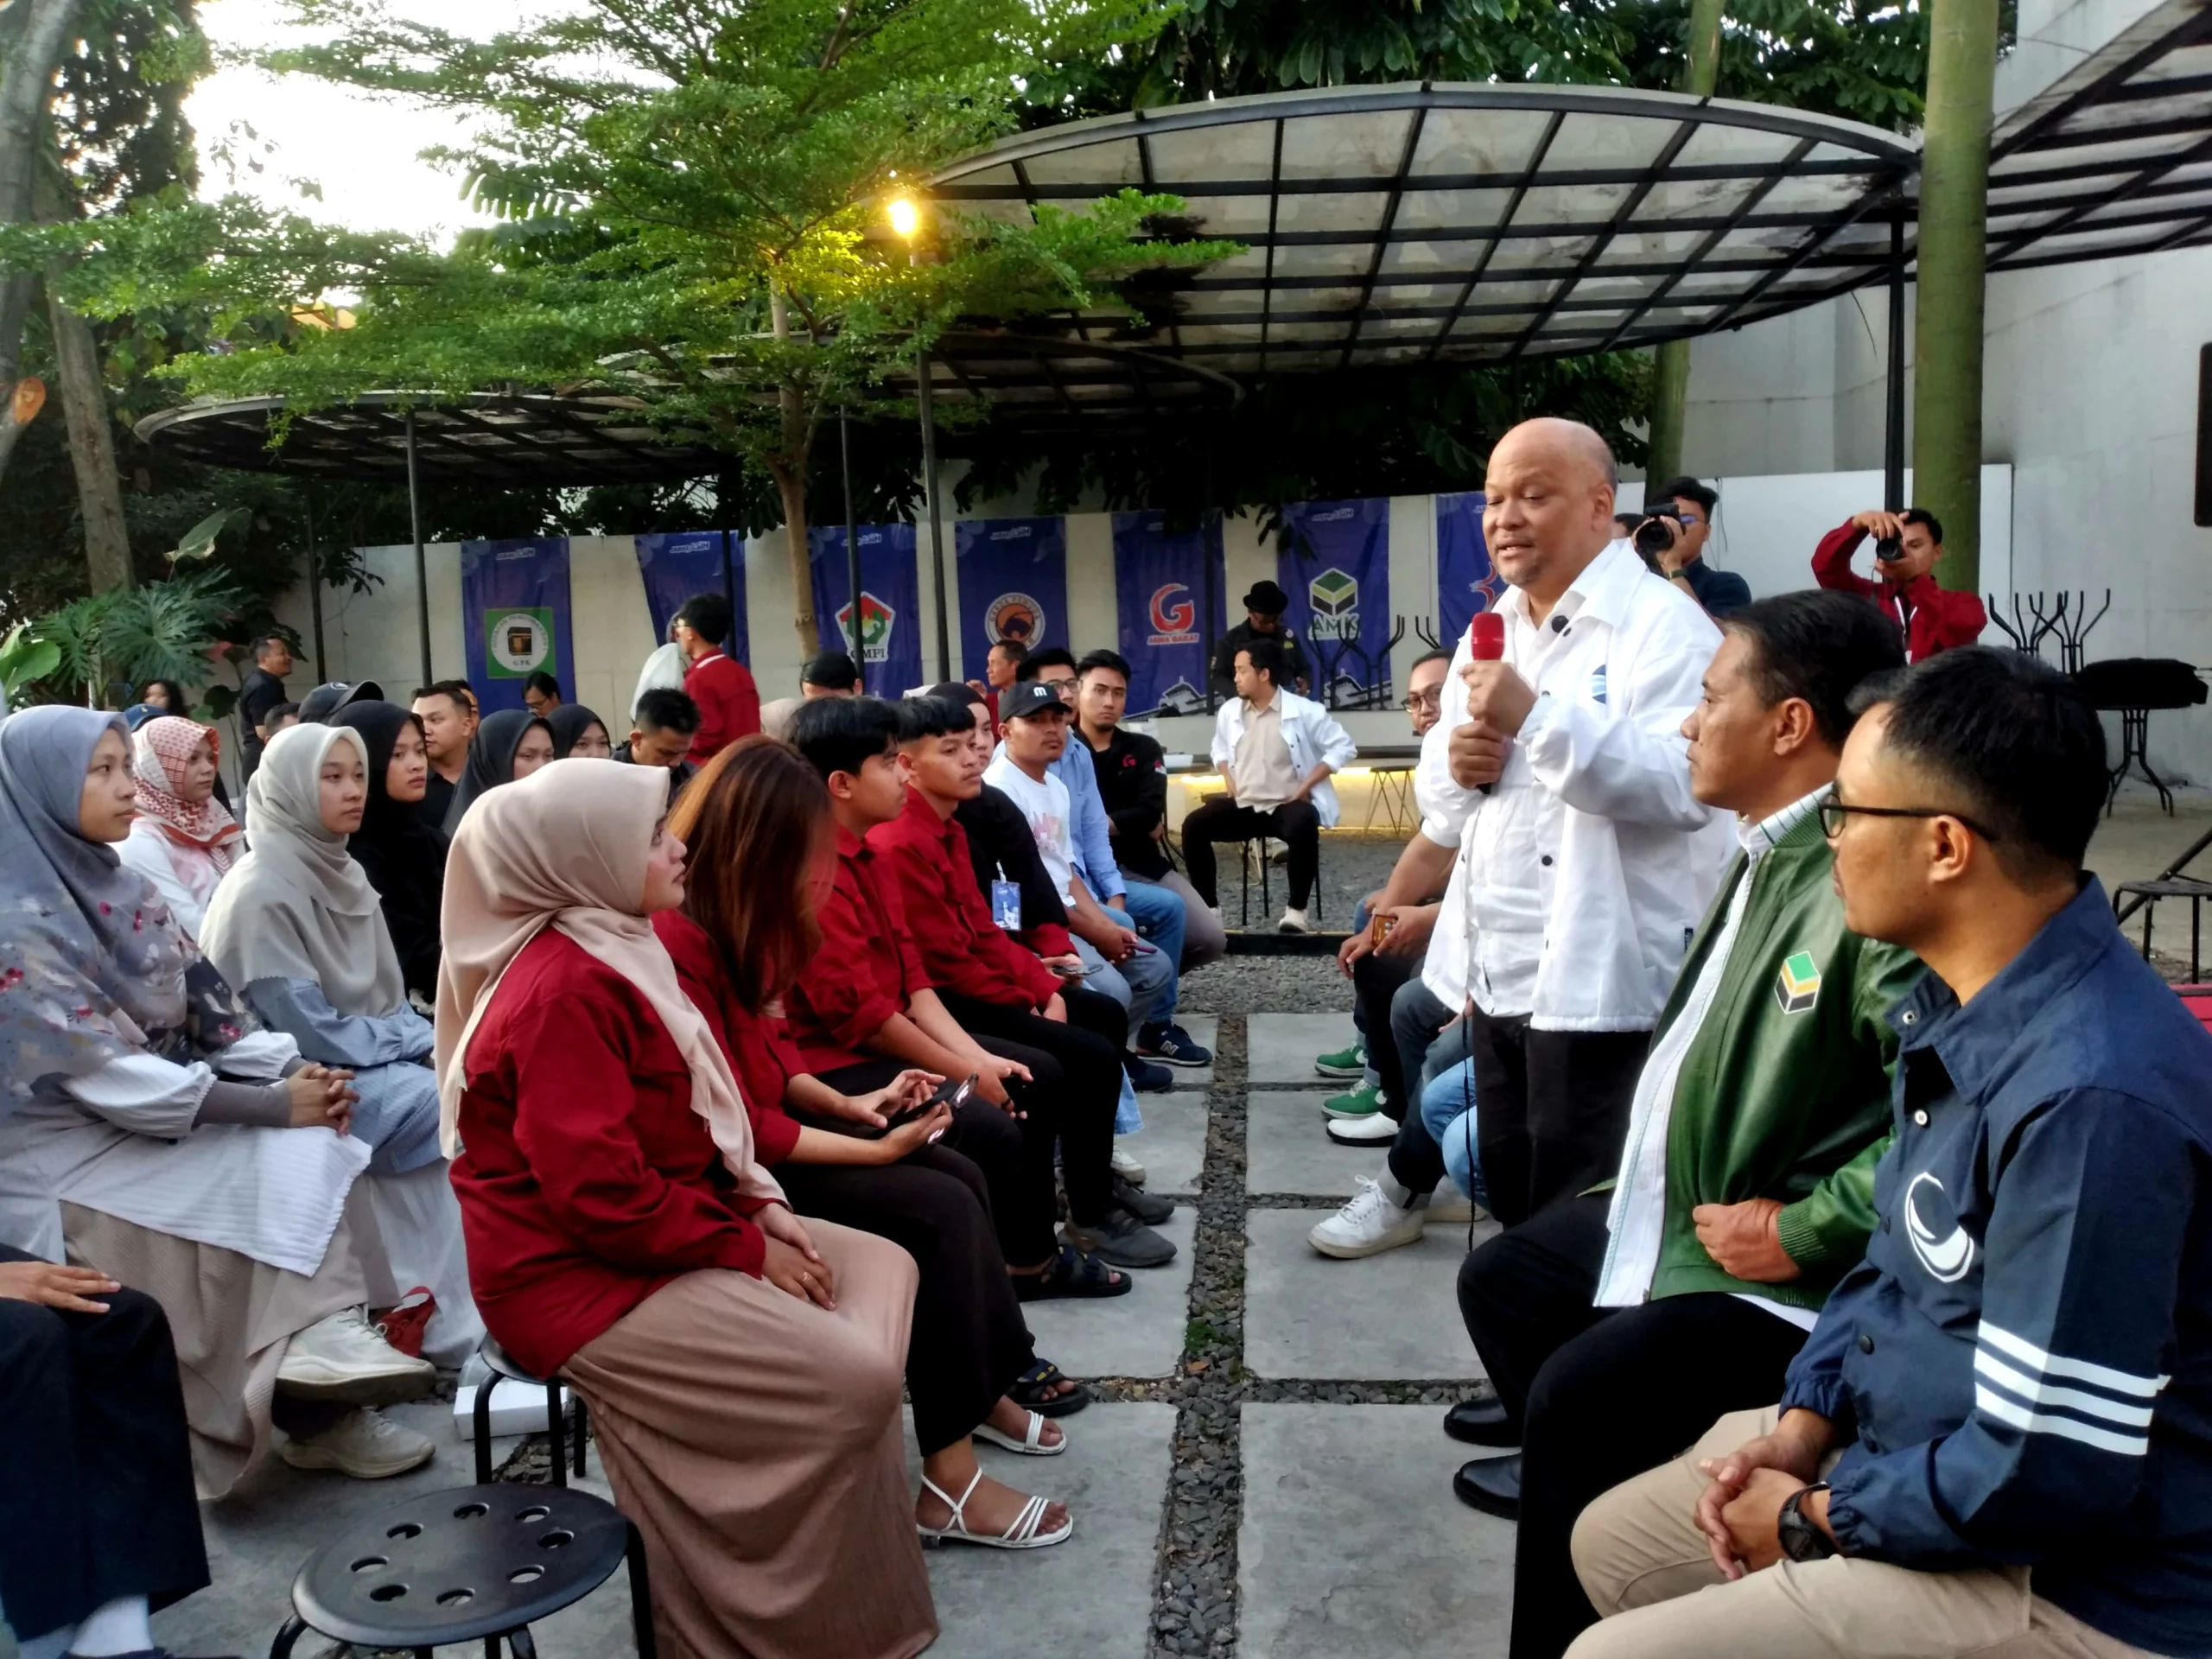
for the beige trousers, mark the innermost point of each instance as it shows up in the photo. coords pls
(1646, 1570)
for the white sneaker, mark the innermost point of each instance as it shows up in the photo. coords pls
(365, 1444)
(1127, 1168)
(342, 1358)
(1373, 1129)
(1293, 921)
(1448, 1206)
(1372, 1223)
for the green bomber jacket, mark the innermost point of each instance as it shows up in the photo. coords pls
(1784, 1091)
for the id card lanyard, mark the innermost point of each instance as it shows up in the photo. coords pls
(1006, 902)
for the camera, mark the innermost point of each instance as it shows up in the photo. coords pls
(1656, 534)
(1889, 549)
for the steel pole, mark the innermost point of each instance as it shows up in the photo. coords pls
(422, 564)
(314, 585)
(936, 523)
(852, 539)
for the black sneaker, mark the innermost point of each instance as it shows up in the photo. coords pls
(1122, 1241)
(1171, 1045)
(1143, 1205)
(1145, 1077)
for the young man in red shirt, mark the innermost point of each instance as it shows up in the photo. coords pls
(997, 990)
(1930, 618)
(729, 703)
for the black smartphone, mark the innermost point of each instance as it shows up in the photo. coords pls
(949, 1093)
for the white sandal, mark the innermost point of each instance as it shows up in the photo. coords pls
(1031, 1445)
(1022, 1534)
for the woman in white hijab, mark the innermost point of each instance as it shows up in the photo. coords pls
(151, 1127)
(743, 1370)
(298, 929)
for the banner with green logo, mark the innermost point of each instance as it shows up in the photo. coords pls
(514, 597)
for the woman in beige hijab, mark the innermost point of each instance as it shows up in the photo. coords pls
(743, 1371)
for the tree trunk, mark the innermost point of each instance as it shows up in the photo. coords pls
(92, 448)
(34, 33)
(1947, 346)
(791, 484)
(1671, 376)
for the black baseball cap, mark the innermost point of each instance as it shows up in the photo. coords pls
(1028, 698)
(320, 704)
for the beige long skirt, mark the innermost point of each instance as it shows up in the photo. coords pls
(232, 1318)
(754, 1438)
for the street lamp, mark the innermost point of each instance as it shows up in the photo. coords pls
(906, 218)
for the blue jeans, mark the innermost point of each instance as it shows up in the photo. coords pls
(1450, 1121)
(1158, 913)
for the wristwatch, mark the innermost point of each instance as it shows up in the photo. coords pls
(1801, 1539)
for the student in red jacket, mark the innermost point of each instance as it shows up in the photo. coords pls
(996, 988)
(729, 703)
(1930, 618)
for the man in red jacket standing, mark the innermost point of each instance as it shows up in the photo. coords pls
(729, 703)
(1930, 618)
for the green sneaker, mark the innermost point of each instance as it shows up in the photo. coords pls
(1344, 1063)
(1363, 1102)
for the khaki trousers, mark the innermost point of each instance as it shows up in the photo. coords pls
(1647, 1571)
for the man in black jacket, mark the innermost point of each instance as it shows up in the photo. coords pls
(1132, 773)
(1263, 609)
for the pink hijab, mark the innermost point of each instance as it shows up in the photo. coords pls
(566, 847)
(162, 748)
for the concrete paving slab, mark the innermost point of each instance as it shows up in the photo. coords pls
(1090, 1596)
(1353, 1546)
(1140, 1334)
(1172, 1146)
(1280, 1047)
(1288, 1149)
(1392, 1317)
(1206, 1031)
(260, 1535)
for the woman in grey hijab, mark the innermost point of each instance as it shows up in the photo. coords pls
(149, 1124)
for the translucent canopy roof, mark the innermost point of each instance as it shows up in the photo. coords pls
(1397, 223)
(2114, 157)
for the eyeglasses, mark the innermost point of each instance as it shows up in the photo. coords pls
(1833, 811)
(1415, 700)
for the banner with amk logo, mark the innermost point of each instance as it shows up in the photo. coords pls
(514, 602)
(891, 603)
(1333, 560)
(1014, 585)
(1159, 587)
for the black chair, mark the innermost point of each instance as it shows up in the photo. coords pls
(1255, 851)
(2147, 894)
(469, 1564)
(2132, 687)
(556, 1425)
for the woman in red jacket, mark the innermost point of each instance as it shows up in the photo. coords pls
(757, 819)
(743, 1370)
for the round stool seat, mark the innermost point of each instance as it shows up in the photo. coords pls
(497, 1357)
(456, 1565)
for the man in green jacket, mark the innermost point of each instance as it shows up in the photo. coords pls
(1616, 1324)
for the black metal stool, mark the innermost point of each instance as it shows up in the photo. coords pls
(496, 1356)
(1255, 850)
(471, 1563)
(2178, 886)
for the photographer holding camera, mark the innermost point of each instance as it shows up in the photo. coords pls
(1907, 545)
(1671, 540)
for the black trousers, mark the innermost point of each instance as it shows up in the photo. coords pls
(1374, 981)
(969, 1342)
(1294, 823)
(1602, 1393)
(96, 1495)
(1553, 1108)
(1075, 1083)
(1022, 1205)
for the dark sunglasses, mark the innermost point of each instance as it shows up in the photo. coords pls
(1833, 811)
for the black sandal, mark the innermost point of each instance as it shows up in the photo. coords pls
(1072, 1273)
(1029, 1390)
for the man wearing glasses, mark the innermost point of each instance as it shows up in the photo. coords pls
(1689, 505)
(1998, 1439)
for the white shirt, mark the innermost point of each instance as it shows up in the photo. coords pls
(1309, 731)
(1639, 1212)
(1044, 802)
(184, 877)
(1585, 869)
(663, 672)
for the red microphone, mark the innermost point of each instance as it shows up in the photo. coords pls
(1486, 644)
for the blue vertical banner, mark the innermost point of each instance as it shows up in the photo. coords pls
(891, 602)
(1465, 582)
(514, 604)
(1160, 588)
(1333, 559)
(679, 564)
(1013, 584)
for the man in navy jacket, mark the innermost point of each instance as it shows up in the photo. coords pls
(1999, 1438)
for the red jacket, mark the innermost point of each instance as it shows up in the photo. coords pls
(586, 1180)
(729, 703)
(760, 1054)
(961, 948)
(868, 967)
(1931, 618)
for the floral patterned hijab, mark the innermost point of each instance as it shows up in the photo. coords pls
(162, 748)
(92, 966)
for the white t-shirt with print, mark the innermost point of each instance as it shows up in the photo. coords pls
(1044, 804)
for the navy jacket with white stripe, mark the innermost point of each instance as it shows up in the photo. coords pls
(2025, 1354)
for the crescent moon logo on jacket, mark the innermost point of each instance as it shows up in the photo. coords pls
(1173, 614)
(1944, 1248)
